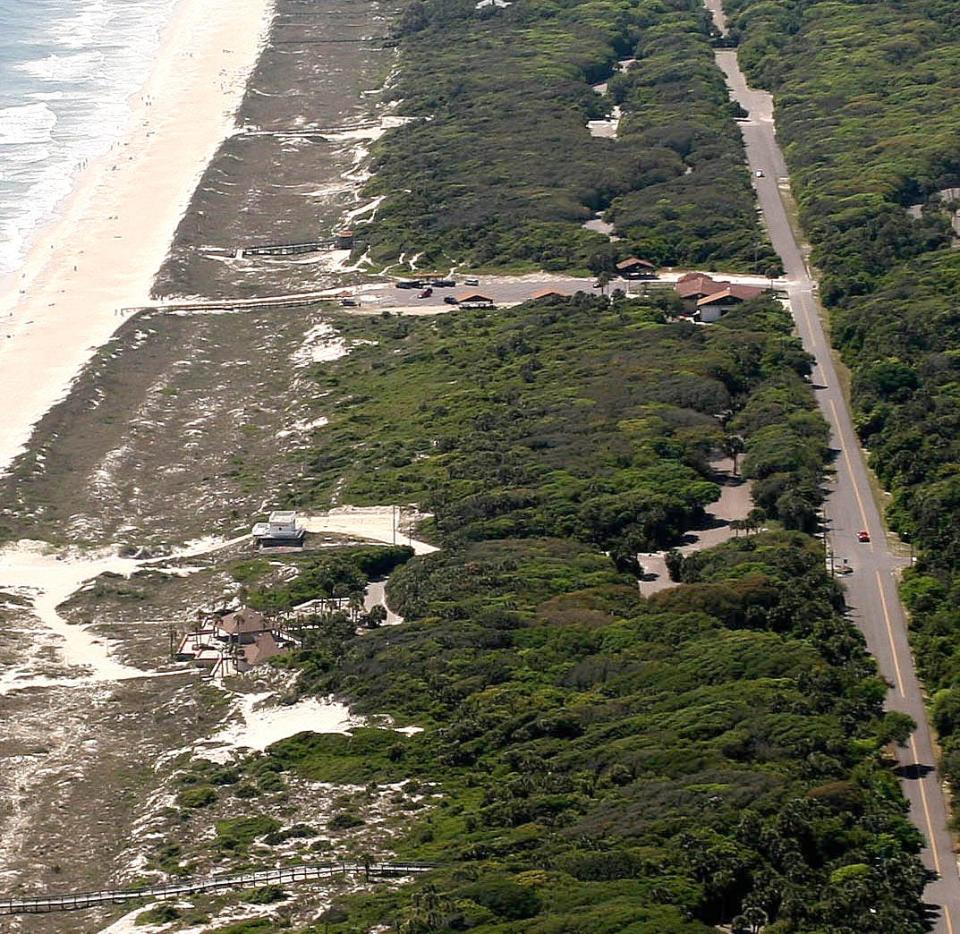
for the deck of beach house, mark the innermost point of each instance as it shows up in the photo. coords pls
(234, 643)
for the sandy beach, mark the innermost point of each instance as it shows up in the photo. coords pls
(113, 233)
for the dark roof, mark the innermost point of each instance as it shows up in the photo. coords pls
(739, 293)
(546, 293)
(243, 620)
(632, 261)
(697, 285)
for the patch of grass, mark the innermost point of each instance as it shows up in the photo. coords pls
(244, 572)
(255, 926)
(364, 755)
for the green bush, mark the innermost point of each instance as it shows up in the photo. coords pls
(265, 895)
(345, 821)
(159, 914)
(198, 796)
(238, 833)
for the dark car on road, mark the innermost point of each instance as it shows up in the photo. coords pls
(409, 284)
(451, 300)
(444, 283)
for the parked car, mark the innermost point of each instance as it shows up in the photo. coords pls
(426, 293)
(443, 283)
(863, 536)
(409, 284)
(350, 302)
(759, 173)
(450, 300)
(471, 280)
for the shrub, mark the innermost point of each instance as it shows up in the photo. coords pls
(265, 895)
(345, 821)
(199, 796)
(159, 914)
(238, 833)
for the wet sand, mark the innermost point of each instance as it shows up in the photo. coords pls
(113, 233)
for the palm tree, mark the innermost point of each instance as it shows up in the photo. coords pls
(733, 447)
(340, 593)
(755, 519)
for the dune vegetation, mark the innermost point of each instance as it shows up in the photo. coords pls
(497, 167)
(570, 418)
(713, 754)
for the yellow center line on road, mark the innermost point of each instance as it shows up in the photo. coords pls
(926, 814)
(893, 648)
(946, 917)
(849, 463)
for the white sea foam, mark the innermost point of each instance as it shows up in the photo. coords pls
(27, 123)
(56, 67)
(67, 73)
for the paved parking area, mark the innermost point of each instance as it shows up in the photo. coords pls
(512, 290)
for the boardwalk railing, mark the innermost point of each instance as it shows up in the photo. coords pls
(47, 903)
(292, 300)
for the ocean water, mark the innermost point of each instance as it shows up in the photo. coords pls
(68, 69)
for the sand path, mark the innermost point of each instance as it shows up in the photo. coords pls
(115, 230)
(735, 503)
(386, 524)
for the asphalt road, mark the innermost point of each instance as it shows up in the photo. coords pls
(872, 587)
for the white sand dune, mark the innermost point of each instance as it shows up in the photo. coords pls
(262, 724)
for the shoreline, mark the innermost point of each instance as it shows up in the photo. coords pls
(116, 227)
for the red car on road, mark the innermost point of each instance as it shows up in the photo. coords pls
(863, 536)
(426, 293)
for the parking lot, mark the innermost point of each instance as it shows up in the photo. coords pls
(510, 290)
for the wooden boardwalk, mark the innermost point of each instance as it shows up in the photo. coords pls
(290, 300)
(44, 904)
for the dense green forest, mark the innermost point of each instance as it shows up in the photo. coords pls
(571, 418)
(867, 104)
(498, 167)
(713, 754)
(617, 765)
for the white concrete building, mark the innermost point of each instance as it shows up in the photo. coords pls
(281, 528)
